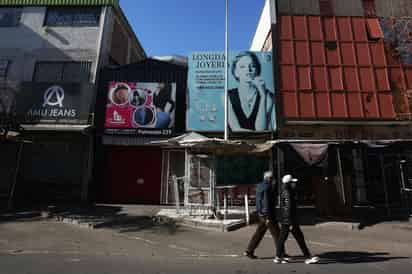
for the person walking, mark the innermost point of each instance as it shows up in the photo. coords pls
(288, 219)
(265, 207)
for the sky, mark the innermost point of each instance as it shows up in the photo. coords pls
(179, 27)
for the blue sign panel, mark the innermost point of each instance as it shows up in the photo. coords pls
(251, 105)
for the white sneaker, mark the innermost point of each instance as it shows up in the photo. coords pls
(312, 260)
(278, 260)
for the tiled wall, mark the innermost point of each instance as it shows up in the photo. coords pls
(330, 68)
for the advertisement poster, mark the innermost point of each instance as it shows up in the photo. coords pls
(251, 105)
(140, 108)
(55, 103)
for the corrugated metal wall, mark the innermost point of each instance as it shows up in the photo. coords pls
(331, 69)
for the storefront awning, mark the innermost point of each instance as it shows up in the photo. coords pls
(55, 127)
(215, 145)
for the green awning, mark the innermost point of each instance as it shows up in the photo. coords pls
(59, 3)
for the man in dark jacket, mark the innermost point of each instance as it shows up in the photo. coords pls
(288, 218)
(265, 207)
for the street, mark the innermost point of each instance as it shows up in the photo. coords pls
(40, 246)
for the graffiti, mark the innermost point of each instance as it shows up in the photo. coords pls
(398, 35)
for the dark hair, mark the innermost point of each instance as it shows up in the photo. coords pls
(255, 60)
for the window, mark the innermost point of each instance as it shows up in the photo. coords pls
(4, 65)
(10, 17)
(64, 17)
(369, 8)
(62, 72)
(325, 7)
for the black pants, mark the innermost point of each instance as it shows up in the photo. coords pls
(300, 239)
(263, 225)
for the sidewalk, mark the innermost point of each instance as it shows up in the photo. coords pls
(117, 216)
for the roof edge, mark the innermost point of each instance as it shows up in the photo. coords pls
(113, 3)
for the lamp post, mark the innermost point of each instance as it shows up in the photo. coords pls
(226, 136)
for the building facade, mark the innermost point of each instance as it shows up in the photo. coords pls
(343, 88)
(50, 57)
(131, 166)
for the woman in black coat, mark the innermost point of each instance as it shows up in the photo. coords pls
(287, 219)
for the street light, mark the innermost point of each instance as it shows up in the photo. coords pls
(226, 135)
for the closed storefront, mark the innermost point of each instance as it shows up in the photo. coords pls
(138, 105)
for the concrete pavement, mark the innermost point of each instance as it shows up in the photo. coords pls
(32, 244)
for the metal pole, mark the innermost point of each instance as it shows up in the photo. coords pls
(16, 173)
(247, 209)
(226, 137)
(176, 193)
(341, 175)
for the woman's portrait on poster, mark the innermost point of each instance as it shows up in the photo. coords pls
(251, 103)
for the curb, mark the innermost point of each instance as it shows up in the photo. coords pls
(340, 225)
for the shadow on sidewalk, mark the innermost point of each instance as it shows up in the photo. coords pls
(356, 257)
(96, 216)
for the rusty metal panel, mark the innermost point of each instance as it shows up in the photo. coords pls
(351, 79)
(300, 28)
(345, 28)
(290, 104)
(359, 29)
(370, 105)
(367, 79)
(396, 77)
(408, 76)
(315, 28)
(288, 78)
(333, 56)
(331, 70)
(362, 51)
(348, 54)
(304, 78)
(302, 53)
(329, 27)
(307, 105)
(378, 53)
(355, 105)
(286, 32)
(386, 105)
(382, 79)
(335, 77)
(320, 82)
(286, 52)
(323, 105)
(374, 29)
(339, 105)
(318, 53)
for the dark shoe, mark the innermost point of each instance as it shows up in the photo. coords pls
(249, 254)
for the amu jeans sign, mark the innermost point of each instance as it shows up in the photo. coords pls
(54, 103)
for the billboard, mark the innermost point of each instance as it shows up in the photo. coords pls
(140, 108)
(251, 105)
(62, 103)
